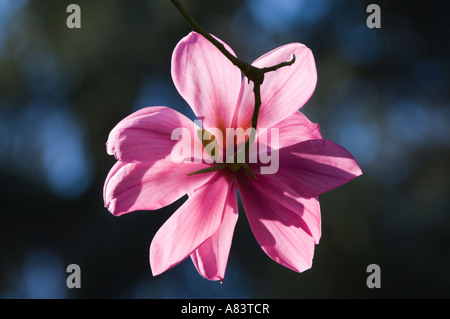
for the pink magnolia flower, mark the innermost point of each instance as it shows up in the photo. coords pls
(282, 208)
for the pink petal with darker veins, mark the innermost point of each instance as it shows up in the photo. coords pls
(145, 135)
(292, 130)
(282, 233)
(312, 167)
(308, 209)
(284, 91)
(206, 79)
(149, 186)
(211, 257)
(295, 129)
(191, 225)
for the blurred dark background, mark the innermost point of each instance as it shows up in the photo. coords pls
(382, 93)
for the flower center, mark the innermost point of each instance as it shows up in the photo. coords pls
(234, 167)
(211, 146)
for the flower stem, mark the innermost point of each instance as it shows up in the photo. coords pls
(252, 73)
(237, 62)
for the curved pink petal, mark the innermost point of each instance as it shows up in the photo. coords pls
(312, 167)
(292, 130)
(284, 91)
(307, 208)
(295, 129)
(211, 257)
(191, 225)
(146, 135)
(207, 80)
(149, 186)
(282, 233)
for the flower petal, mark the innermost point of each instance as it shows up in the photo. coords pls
(211, 257)
(307, 208)
(312, 167)
(292, 130)
(191, 225)
(283, 91)
(282, 233)
(149, 186)
(146, 135)
(207, 80)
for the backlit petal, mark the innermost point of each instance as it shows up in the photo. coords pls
(211, 257)
(146, 135)
(284, 91)
(149, 186)
(312, 167)
(292, 130)
(281, 232)
(191, 225)
(206, 79)
(307, 208)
